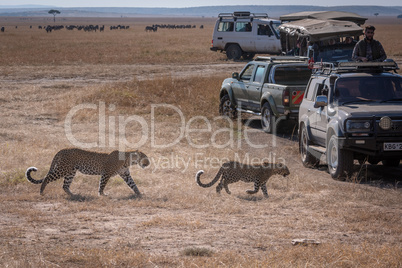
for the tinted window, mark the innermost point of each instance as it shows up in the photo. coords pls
(264, 29)
(292, 75)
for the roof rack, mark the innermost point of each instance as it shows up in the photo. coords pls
(281, 58)
(327, 67)
(242, 15)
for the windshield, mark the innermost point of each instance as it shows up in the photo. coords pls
(368, 89)
(335, 53)
(275, 26)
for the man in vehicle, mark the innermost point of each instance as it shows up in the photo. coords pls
(369, 49)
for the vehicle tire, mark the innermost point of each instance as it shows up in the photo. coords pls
(267, 118)
(307, 158)
(233, 52)
(391, 162)
(340, 161)
(248, 56)
(226, 107)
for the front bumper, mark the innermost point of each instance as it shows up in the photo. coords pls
(371, 146)
(372, 141)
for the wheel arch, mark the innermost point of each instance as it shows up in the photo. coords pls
(229, 92)
(307, 126)
(267, 98)
(233, 43)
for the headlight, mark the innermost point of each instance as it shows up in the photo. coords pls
(385, 123)
(358, 126)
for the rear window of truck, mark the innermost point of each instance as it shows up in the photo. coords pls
(286, 75)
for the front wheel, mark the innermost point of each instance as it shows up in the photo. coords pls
(267, 118)
(226, 107)
(340, 161)
(233, 52)
(307, 158)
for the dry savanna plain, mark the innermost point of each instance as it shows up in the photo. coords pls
(158, 92)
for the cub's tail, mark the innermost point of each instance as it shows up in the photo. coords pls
(200, 172)
(28, 175)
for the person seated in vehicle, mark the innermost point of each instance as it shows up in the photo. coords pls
(349, 40)
(369, 49)
(245, 27)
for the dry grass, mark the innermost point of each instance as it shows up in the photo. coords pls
(131, 46)
(177, 223)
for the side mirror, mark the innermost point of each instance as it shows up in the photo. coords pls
(235, 75)
(321, 101)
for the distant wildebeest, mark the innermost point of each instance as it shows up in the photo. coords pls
(2, 29)
(151, 28)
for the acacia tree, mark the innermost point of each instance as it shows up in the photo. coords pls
(54, 12)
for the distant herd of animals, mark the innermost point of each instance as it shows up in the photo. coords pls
(90, 28)
(155, 27)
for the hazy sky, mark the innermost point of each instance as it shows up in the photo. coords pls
(193, 3)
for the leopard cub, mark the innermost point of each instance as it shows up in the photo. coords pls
(231, 172)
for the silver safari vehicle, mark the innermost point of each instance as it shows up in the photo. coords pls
(243, 34)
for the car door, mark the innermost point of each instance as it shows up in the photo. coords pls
(253, 89)
(266, 41)
(321, 118)
(308, 108)
(241, 86)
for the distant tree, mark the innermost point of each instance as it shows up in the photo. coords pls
(399, 16)
(376, 14)
(54, 12)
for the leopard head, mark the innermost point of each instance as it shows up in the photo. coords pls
(137, 157)
(281, 169)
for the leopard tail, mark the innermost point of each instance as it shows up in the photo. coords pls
(28, 175)
(200, 172)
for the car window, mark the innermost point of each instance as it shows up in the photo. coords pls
(313, 92)
(225, 26)
(259, 74)
(290, 75)
(264, 29)
(243, 26)
(275, 26)
(247, 73)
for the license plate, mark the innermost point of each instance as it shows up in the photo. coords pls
(392, 146)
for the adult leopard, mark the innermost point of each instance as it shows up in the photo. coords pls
(234, 171)
(68, 161)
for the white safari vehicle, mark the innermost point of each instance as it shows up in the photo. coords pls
(243, 34)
